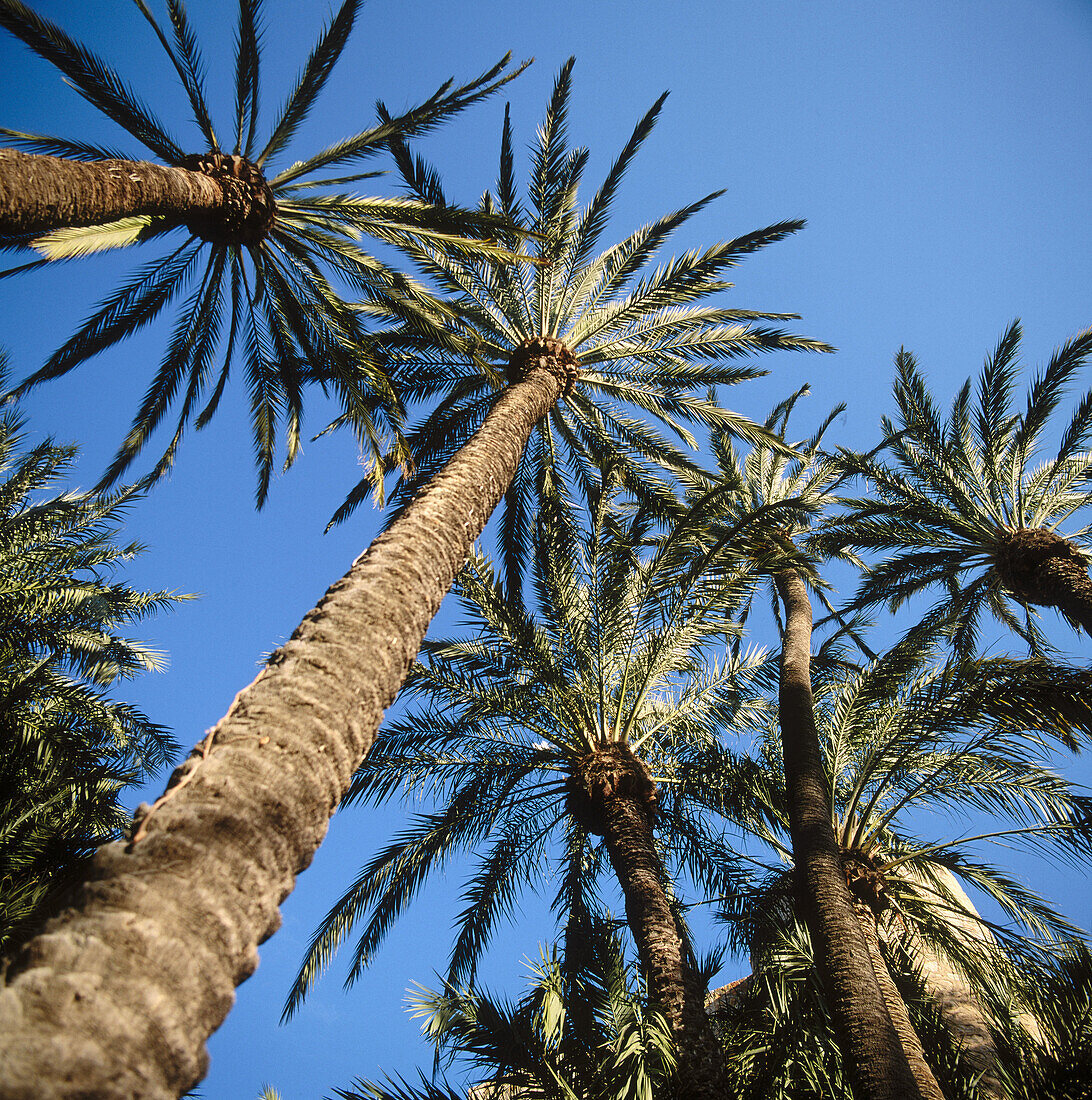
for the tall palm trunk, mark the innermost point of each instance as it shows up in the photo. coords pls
(872, 1050)
(620, 807)
(39, 193)
(118, 996)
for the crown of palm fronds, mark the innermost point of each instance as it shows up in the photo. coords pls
(67, 749)
(900, 737)
(647, 342)
(504, 716)
(759, 513)
(271, 303)
(946, 494)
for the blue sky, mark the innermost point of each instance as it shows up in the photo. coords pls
(938, 151)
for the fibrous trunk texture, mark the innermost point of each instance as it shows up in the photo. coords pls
(872, 1052)
(119, 994)
(38, 193)
(896, 1007)
(1043, 568)
(617, 800)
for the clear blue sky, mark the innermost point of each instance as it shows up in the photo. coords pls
(939, 152)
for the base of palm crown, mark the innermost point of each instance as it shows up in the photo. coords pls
(249, 210)
(545, 352)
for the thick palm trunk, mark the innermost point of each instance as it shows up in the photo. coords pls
(624, 819)
(40, 193)
(872, 1051)
(118, 996)
(1043, 568)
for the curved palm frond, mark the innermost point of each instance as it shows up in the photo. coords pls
(292, 330)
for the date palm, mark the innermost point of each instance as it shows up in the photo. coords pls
(69, 750)
(252, 802)
(540, 1047)
(904, 742)
(561, 745)
(976, 503)
(256, 257)
(756, 520)
(636, 349)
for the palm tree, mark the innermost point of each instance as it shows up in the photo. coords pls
(535, 1050)
(899, 738)
(259, 249)
(750, 519)
(68, 749)
(559, 743)
(628, 345)
(252, 802)
(969, 506)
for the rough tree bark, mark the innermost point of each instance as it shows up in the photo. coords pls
(119, 994)
(39, 193)
(896, 1007)
(872, 1051)
(221, 198)
(1041, 567)
(615, 797)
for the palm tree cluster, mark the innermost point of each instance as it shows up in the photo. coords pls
(612, 727)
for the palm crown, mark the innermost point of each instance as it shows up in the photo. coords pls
(639, 345)
(899, 736)
(262, 278)
(901, 740)
(594, 1037)
(967, 504)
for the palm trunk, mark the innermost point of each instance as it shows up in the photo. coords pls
(119, 995)
(38, 193)
(896, 1006)
(871, 1048)
(627, 833)
(1041, 567)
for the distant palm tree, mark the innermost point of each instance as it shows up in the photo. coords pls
(559, 742)
(968, 505)
(259, 251)
(756, 519)
(534, 1050)
(68, 750)
(901, 740)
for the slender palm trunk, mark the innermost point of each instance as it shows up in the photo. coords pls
(626, 824)
(896, 1006)
(40, 193)
(872, 1051)
(118, 996)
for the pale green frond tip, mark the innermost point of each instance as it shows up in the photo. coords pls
(74, 241)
